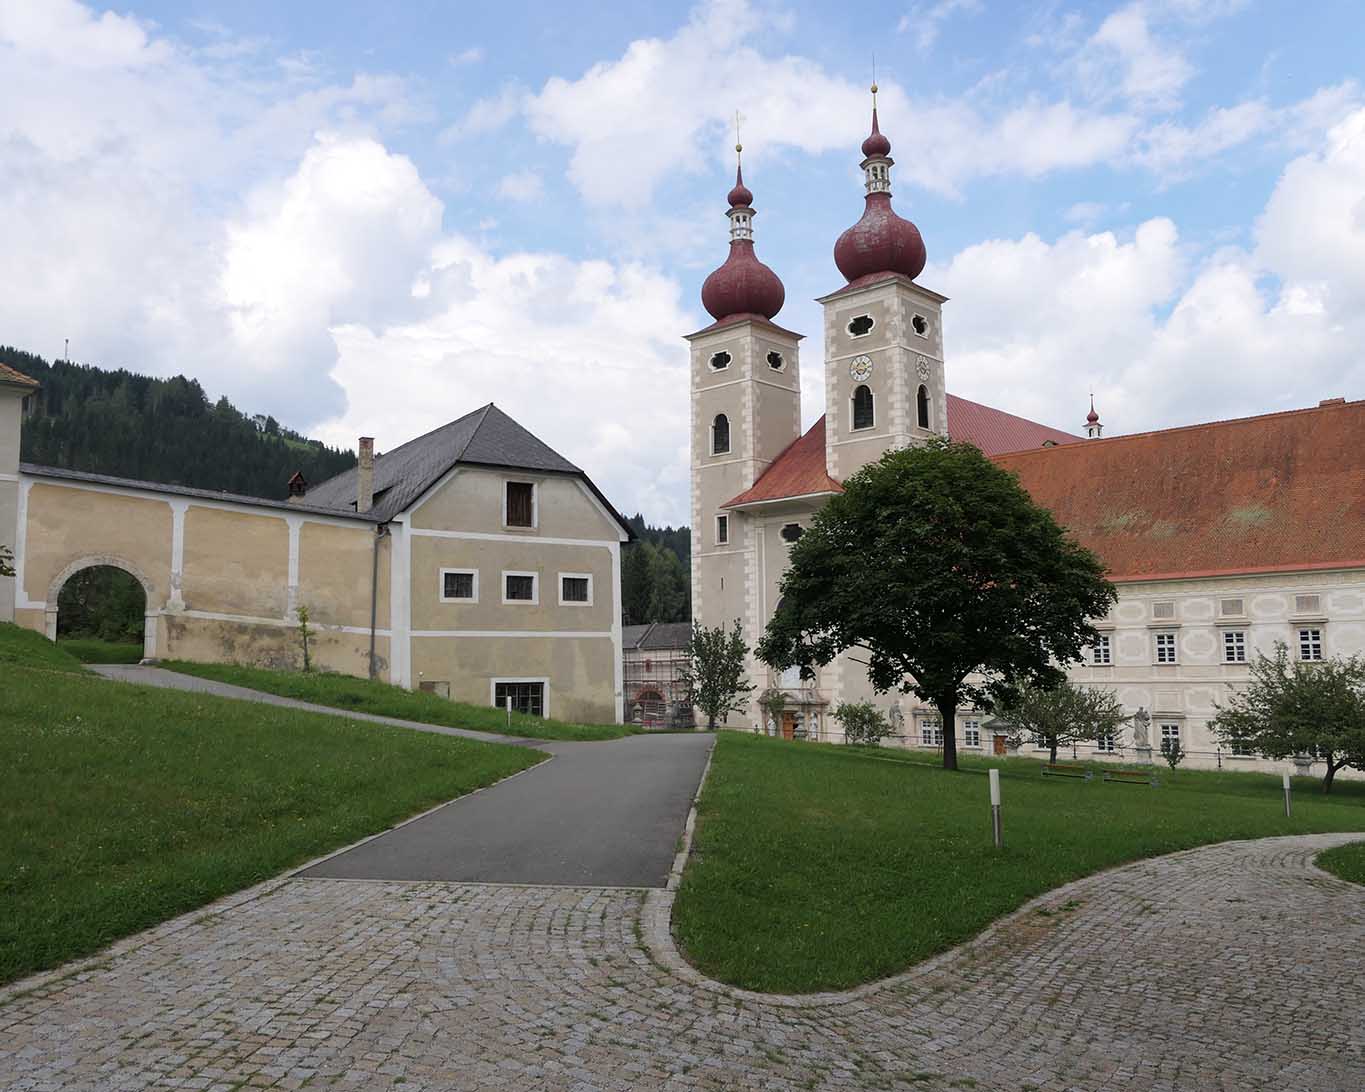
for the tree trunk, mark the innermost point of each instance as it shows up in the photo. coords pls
(1052, 745)
(947, 712)
(1332, 768)
(710, 722)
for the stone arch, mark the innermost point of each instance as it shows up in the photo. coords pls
(90, 561)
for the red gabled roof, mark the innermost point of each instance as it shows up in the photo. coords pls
(19, 379)
(1284, 491)
(995, 431)
(800, 470)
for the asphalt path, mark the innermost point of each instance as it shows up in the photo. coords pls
(608, 813)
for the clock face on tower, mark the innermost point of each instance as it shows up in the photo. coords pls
(860, 368)
(922, 366)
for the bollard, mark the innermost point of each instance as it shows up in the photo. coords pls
(1287, 809)
(995, 808)
(509, 712)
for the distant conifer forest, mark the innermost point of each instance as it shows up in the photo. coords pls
(128, 425)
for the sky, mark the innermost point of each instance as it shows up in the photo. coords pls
(371, 219)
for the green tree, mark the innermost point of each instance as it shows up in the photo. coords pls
(862, 722)
(637, 581)
(668, 597)
(954, 585)
(6, 561)
(713, 671)
(1062, 715)
(1296, 708)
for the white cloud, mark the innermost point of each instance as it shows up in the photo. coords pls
(924, 21)
(523, 186)
(472, 55)
(1150, 71)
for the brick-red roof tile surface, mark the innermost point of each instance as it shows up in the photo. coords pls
(19, 379)
(995, 431)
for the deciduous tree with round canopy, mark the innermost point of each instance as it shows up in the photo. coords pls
(940, 569)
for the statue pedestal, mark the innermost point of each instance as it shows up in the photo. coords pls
(1144, 754)
(1303, 765)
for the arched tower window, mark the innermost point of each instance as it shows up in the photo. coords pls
(720, 435)
(923, 403)
(863, 416)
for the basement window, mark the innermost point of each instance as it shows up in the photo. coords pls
(861, 326)
(525, 697)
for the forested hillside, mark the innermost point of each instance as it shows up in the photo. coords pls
(656, 585)
(161, 430)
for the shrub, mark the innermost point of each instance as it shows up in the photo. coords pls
(863, 723)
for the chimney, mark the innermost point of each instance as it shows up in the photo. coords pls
(364, 478)
(1332, 402)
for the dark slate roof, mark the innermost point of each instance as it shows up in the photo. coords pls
(656, 635)
(36, 471)
(486, 437)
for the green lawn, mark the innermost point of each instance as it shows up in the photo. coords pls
(1347, 861)
(24, 647)
(819, 867)
(362, 695)
(91, 650)
(125, 805)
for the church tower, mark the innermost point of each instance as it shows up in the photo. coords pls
(746, 408)
(884, 385)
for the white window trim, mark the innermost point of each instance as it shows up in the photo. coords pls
(441, 586)
(851, 395)
(1156, 652)
(535, 504)
(1317, 627)
(1231, 646)
(1103, 641)
(928, 426)
(867, 333)
(574, 602)
(729, 436)
(730, 359)
(971, 724)
(716, 529)
(545, 691)
(535, 592)
(781, 356)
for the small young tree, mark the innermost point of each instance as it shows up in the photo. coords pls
(1173, 753)
(862, 722)
(305, 634)
(1293, 708)
(6, 561)
(713, 671)
(1062, 715)
(938, 565)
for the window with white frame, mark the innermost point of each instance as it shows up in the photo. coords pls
(931, 732)
(971, 732)
(1241, 748)
(459, 585)
(520, 587)
(1105, 743)
(1310, 643)
(1100, 652)
(722, 530)
(575, 589)
(1234, 646)
(519, 505)
(1165, 648)
(863, 414)
(720, 435)
(526, 696)
(1170, 735)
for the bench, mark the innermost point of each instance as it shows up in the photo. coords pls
(1058, 769)
(1133, 777)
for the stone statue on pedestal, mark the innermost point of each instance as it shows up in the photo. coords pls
(897, 718)
(1142, 724)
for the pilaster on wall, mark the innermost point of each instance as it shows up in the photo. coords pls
(176, 601)
(400, 603)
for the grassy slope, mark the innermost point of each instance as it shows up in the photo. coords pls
(19, 646)
(90, 650)
(1348, 862)
(362, 695)
(818, 867)
(126, 805)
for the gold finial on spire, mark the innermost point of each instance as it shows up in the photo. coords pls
(738, 146)
(874, 80)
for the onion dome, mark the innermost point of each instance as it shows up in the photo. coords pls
(743, 285)
(1092, 417)
(881, 242)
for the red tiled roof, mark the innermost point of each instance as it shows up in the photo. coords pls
(995, 431)
(1284, 491)
(800, 470)
(19, 379)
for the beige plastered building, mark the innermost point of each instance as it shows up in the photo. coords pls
(474, 561)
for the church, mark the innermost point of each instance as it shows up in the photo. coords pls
(1222, 539)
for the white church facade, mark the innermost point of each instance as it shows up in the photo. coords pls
(1222, 539)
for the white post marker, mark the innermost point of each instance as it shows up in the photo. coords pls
(994, 776)
(1287, 808)
(509, 712)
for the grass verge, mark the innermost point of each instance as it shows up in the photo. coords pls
(1346, 861)
(91, 650)
(365, 696)
(21, 647)
(818, 867)
(127, 805)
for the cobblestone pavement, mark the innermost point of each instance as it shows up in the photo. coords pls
(1232, 967)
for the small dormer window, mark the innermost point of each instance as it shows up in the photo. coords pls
(720, 361)
(861, 326)
(775, 361)
(920, 325)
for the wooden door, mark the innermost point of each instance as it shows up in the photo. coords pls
(999, 746)
(788, 724)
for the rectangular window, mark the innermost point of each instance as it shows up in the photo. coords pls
(1104, 744)
(1170, 734)
(521, 504)
(931, 732)
(575, 589)
(1099, 652)
(1164, 611)
(1234, 646)
(1307, 604)
(459, 585)
(1165, 648)
(722, 530)
(520, 588)
(1242, 749)
(971, 733)
(1310, 644)
(526, 697)
(1231, 608)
